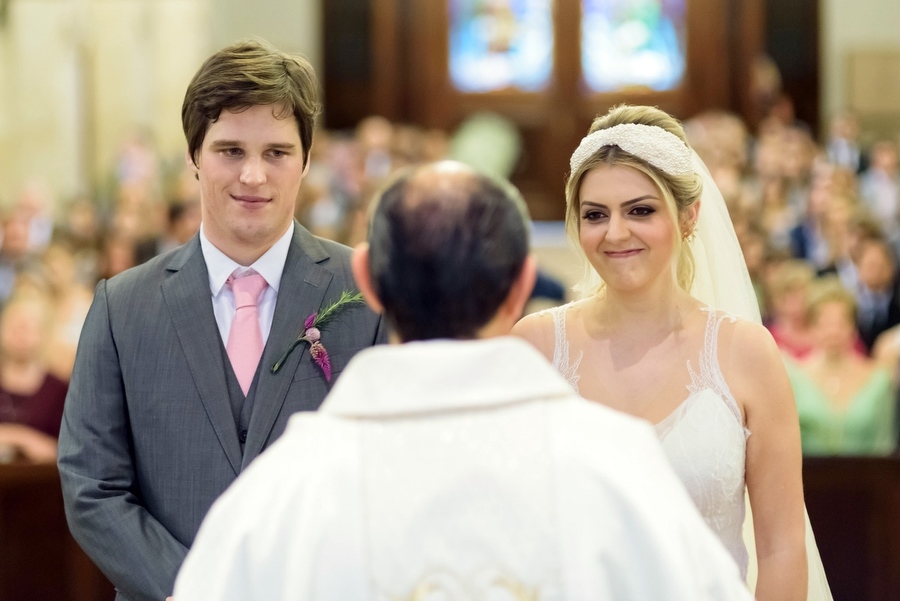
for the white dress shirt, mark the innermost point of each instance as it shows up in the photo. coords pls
(465, 470)
(219, 266)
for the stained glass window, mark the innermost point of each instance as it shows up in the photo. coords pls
(629, 43)
(497, 44)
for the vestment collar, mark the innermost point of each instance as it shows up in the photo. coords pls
(442, 376)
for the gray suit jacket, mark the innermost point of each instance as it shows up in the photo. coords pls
(148, 438)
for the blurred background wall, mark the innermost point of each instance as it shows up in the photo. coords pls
(861, 35)
(79, 77)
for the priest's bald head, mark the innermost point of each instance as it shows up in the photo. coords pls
(447, 254)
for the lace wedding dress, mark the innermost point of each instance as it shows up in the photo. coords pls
(704, 437)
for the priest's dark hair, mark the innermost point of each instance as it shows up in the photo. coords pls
(446, 244)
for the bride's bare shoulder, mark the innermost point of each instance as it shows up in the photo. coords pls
(750, 360)
(737, 330)
(540, 329)
(748, 341)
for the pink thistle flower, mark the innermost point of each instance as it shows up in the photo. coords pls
(320, 356)
(312, 334)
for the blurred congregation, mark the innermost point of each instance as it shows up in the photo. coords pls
(811, 180)
(818, 222)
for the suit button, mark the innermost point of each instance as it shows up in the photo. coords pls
(243, 436)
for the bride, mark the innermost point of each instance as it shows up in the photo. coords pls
(644, 213)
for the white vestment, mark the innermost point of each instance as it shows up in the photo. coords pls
(458, 470)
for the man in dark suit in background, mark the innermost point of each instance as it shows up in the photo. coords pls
(182, 223)
(170, 399)
(877, 295)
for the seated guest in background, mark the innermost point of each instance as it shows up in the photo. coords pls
(776, 215)
(788, 294)
(809, 238)
(81, 229)
(842, 147)
(844, 399)
(117, 254)
(71, 300)
(886, 352)
(14, 250)
(548, 287)
(31, 398)
(756, 249)
(879, 186)
(877, 296)
(850, 226)
(457, 464)
(182, 223)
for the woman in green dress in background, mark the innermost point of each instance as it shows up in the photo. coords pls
(845, 400)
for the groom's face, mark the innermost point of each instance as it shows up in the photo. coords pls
(250, 166)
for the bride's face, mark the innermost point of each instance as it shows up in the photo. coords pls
(625, 228)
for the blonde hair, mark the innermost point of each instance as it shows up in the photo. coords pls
(678, 191)
(792, 274)
(829, 289)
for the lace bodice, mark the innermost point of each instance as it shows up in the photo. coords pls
(704, 437)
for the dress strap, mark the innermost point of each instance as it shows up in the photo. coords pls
(710, 375)
(561, 347)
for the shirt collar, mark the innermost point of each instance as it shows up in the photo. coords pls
(441, 376)
(270, 266)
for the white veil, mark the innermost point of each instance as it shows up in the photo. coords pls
(721, 280)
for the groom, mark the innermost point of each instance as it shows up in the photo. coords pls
(457, 464)
(173, 392)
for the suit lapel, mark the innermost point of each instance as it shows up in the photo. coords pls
(302, 289)
(187, 296)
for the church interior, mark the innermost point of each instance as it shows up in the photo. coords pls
(794, 105)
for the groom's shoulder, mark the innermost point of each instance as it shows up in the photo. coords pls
(338, 255)
(336, 250)
(324, 252)
(149, 275)
(318, 249)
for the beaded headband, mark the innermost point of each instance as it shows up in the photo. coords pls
(662, 149)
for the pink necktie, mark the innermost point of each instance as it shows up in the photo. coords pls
(245, 345)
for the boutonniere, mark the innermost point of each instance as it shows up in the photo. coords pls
(312, 332)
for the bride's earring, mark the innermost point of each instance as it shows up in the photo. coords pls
(689, 234)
